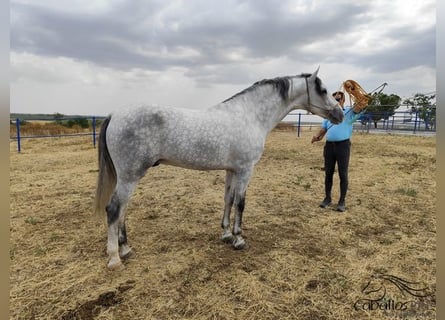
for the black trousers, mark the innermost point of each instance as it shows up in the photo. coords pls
(336, 153)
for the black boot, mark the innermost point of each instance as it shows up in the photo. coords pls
(326, 202)
(341, 207)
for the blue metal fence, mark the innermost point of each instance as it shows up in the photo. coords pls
(397, 121)
(19, 137)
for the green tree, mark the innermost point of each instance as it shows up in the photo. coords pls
(82, 122)
(58, 117)
(380, 106)
(424, 105)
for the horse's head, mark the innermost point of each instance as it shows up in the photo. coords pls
(317, 100)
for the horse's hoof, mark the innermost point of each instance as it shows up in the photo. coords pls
(125, 252)
(227, 237)
(239, 244)
(115, 265)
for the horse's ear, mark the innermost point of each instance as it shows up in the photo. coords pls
(314, 75)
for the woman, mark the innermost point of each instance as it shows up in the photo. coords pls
(337, 151)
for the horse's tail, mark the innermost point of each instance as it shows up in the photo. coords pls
(106, 180)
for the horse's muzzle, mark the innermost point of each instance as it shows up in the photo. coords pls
(336, 115)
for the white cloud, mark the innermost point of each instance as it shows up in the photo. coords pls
(197, 53)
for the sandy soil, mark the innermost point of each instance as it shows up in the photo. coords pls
(302, 262)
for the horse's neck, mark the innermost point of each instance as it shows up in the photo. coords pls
(263, 105)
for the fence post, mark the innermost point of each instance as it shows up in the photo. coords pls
(299, 125)
(426, 120)
(368, 124)
(17, 125)
(94, 132)
(415, 123)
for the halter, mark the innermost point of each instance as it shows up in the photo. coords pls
(307, 91)
(309, 103)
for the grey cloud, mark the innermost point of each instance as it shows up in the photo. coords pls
(84, 37)
(150, 35)
(263, 28)
(412, 49)
(263, 31)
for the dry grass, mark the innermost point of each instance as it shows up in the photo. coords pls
(43, 128)
(302, 262)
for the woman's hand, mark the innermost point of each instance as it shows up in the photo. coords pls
(315, 138)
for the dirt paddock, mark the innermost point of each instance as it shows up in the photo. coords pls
(302, 262)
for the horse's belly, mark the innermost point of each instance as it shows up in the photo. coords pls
(197, 161)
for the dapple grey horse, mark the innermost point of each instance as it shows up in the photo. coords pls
(229, 136)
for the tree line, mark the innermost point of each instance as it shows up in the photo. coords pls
(56, 118)
(83, 122)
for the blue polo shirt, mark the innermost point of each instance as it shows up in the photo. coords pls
(343, 130)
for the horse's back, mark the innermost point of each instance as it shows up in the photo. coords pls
(197, 139)
(167, 121)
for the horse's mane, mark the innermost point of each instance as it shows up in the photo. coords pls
(281, 84)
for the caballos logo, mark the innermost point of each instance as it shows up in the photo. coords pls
(377, 297)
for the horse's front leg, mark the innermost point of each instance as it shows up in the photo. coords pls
(242, 182)
(227, 235)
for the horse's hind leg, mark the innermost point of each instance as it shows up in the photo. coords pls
(242, 181)
(117, 236)
(228, 202)
(124, 249)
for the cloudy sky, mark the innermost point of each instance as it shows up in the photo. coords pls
(92, 56)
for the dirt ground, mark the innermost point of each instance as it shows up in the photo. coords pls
(302, 262)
